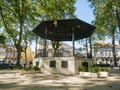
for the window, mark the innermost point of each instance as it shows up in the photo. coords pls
(52, 64)
(64, 64)
(59, 54)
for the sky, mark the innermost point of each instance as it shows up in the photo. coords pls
(83, 12)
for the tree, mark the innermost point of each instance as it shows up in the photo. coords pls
(57, 9)
(27, 39)
(55, 45)
(14, 15)
(107, 19)
(26, 57)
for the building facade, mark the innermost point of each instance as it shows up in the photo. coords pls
(2, 53)
(104, 55)
(11, 54)
(64, 50)
(8, 54)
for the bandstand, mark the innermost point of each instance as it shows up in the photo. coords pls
(62, 30)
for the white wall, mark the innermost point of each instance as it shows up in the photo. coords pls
(73, 64)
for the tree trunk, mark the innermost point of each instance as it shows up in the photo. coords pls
(36, 45)
(113, 48)
(90, 47)
(86, 47)
(116, 10)
(55, 45)
(18, 47)
(20, 35)
(54, 53)
(26, 53)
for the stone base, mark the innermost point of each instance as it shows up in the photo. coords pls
(55, 65)
(102, 74)
(89, 74)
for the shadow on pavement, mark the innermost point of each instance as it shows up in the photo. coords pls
(56, 82)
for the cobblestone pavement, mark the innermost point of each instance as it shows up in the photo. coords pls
(10, 80)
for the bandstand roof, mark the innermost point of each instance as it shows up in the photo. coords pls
(62, 30)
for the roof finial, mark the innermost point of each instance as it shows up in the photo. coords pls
(55, 23)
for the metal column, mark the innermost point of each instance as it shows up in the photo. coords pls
(73, 40)
(45, 44)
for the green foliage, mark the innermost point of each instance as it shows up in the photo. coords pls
(15, 15)
(28, 67)
(57, 9)
(35, 68)
(17, 67)
(103, 10)
(103, 69)
(84, 69)
(93, 69)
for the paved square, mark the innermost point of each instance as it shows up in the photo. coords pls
(11, 80)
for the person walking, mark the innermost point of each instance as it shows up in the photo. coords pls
(111, 65)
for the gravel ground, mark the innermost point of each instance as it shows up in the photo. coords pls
(11, 80)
